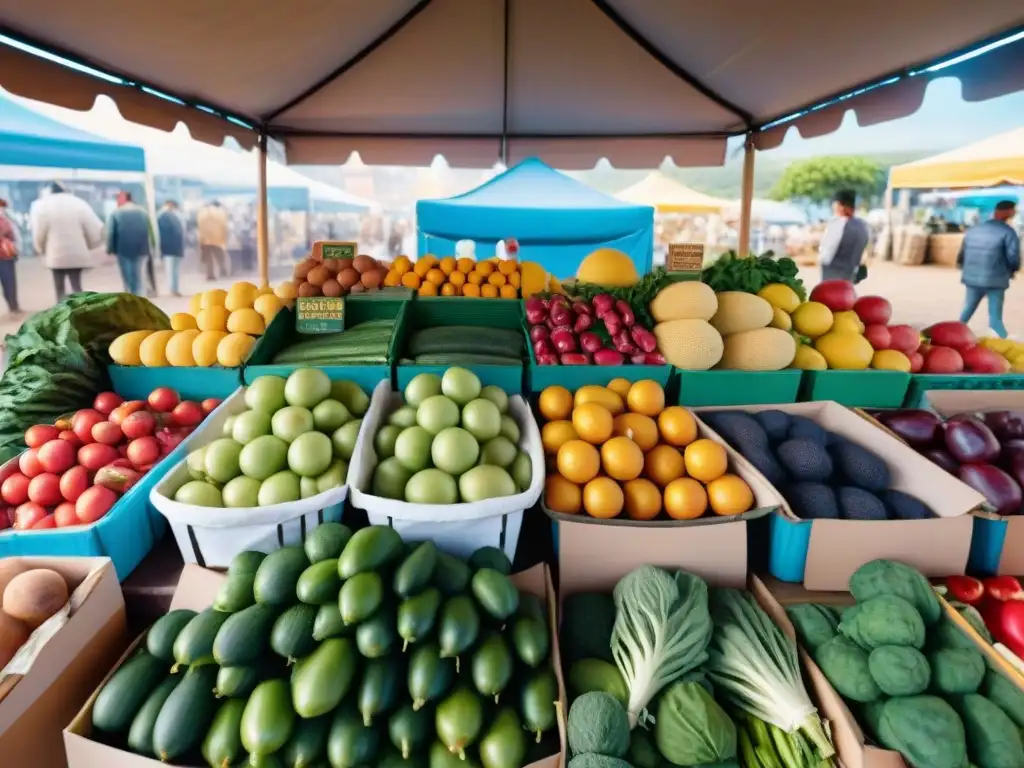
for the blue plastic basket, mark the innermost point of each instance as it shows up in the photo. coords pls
(788, 544)
(136, 382)
(987, 540)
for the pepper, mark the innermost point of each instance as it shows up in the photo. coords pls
(1005, 620)
(1001, 588)
(965, 589)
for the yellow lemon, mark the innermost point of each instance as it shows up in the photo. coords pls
(808, 359)
(780, 296)
(286, 291)
(182, 321)
(845, 351)
(240, 296)
(213, 298)
(846, 322)
(246, 321)
(124, 350)
(204, 347)
(263, 290)
(179, 349)
(268, 306)
(195, 304)
(233, 349)
(890, 360)
(781, 319)
(812, 319)
(212, 318)
(153, 351)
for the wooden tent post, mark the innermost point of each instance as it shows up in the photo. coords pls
(746, 195)
(262, 217)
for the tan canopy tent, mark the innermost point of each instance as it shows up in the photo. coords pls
(570, 81)
(986, 163)
(667, 195)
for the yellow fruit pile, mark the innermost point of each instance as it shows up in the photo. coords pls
(619, 449)
(220, 328)
(430, 276)
(1013, 351)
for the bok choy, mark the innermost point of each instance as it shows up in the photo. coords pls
(755, 666)
(662, 630)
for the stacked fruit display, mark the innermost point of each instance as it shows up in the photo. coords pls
(821, 474)
(294, 441)
(452, 441)
(618, 448)
(603, 331)
(951, 347)
(75, 470)
(356, 649)
(338, 277)
(220, 328)
(431, 276)
(1013, 351)
(28, 597)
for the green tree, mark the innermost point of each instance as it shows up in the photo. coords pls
(818, 179)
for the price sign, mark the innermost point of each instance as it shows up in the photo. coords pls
(685, 257)
(334, 249)
(320, 314)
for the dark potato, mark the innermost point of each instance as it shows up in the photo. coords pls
(969, 441)
(918, 427)
(998, 488)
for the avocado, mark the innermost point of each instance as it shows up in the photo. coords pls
(775, 424)
(858, 504)
(738, 428)
(813, 501)
(903, 506)
(801, 426)
(805, 460)
(861, 467)
(764, 462)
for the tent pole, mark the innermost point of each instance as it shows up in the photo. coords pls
(262, 233)
(746, 195)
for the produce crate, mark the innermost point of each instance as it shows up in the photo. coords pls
(857, 389)
(428, 312)
(360, 308)
(922, 382)
(701, 388)
(136, 382)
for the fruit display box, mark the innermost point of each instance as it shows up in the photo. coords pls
(857, 389)
(822, 554)
(459, 528)
(920, 383)
(211, 536)
(136, 382)
(703, 388)
(196, 590)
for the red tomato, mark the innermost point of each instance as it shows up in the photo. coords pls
(107, 401)
(209, 405)
(45, 489)
(107, 432)
(96, 455)
(187, 414)
(138, 424)
(50, 521)
(14, 490)
(39, 434)
(29, 464)
(68, 436)
(74, 482)
(27, 515)
(83, 422)
(65, 515)
(94, 504)
(145, 450)
(163, 399)
(56, 456)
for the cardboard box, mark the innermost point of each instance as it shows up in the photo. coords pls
(715, 546)
(836, 548)
(196, 591)
(36, 706)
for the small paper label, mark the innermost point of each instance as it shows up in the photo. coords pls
(685, 257)
(332, 249)
(320, 314)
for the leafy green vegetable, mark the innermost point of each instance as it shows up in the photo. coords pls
(752, 273)
(597, 724)
(925, 730)
(887, 577)
(690, 727)
(662, 630)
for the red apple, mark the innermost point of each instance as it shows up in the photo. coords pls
(878, 336)
(873, 310)
(45, 489)
(837, 295)
(145, 450)
(943, 360)
(187, 414)
(56, 456)
(39, 434)
(107, 401)
(14, 489)
(108, 433)
(163, 399)
(953, 334)
(904, 338)
(74, 482)
(83, 422)
(29, 464)
(138, 424)
(210, 404)
(978, 359)
(65, 515)
(916, 362)
(27, 515)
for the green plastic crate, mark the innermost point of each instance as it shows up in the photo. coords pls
(857, 389)
(922, 382)
(697, 388)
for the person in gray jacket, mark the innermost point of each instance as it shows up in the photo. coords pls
(842, 246)
(989, 258)
(129, 239)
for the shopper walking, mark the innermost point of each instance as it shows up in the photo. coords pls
(842, 246)
(10, 244)
(129, 236)
(212, 223)
(989, 257)
(172, 243)
(65, 231)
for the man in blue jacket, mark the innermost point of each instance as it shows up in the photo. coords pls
(172, 243)
(989, 258)
(129, 237)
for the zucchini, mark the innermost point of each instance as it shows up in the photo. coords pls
(466, 339)
(328, 623)
(165, 630)
(186, 715)
(322, 679)
(124, 693)
(308, 743)
(319, 584)
(242, 639)
(277, 576)
(236, 592)
(326, 542)
(223, 743)
(140, 734)
(459, 358)
(194, 643)
(268, 719)
(237, 681)
(378, 690)
(292, 634)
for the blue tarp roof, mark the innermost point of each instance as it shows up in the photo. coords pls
(31, 139)
(532, 202)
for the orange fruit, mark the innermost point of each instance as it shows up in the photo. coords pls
(730, 495)
(475, 278)
(411, 280)
(507, 266)
(402, 265)
(646, 397)
(471, 290)
(620, 387)
(427, 289)
(485, 268)
(642, 499)
(555, 403)
(593, 422)
(578, 462)
(591, 393)
(685, 499)
(515, 280)
(496, 279)
(677, 426)
(392, 279)
(603, 498)
(640, 429)
(508, 292)
(436, 276)
(555, 434)
(663, 464)
(562, 496)
(705, 460)
(424, 265)
(488, 291)
(447, 265)
(457, 278)
(622, 459)
(465, 265)
(448, 289)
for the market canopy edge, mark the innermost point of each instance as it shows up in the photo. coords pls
(476, 80)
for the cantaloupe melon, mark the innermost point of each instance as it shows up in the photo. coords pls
(34, 596)
(690, 300)
(762, 349)
(739, 312)
(609, 267)
(692, 345)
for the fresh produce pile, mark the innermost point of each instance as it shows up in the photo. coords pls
(602, 331)
(220, 328)
(618, 448)
(984, 450)
(463, 345)
(451, 276)
(28, 596)
(56, 362)
(337, 277)
(294, 441)
(452, 441)
(951, 347)
(1013, 351)
(363, 344)
(651, 666)
(357, 650)
(917, 684)
(75, 470)
(822, 475)
(994, 607)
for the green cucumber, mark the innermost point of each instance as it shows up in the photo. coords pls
(236, 593)
(370, 549)
(490, 557)
(242, 639)
(308, 743)
(530, 640)
(125, 692)
(326, 542)
(236, 682)
(328, 623)
(503, 745)
(532, 607)
(378, 690)
(321, 680)
(409, 729)
(292, 635)
(442, 757)
(319, 584)
(223, 743)
(140, 734)
(416, 570)
(277, 576)
(186, 715)
(377, 636)
(458, 720)
(262, 761)
(495, 593)
(350, 744)
(165, 630)
(268, 719)
(416, 616)
(537, 702)
(458, 627)
(361, 596)
(492, 667)
(451, 575)
(194, 644)
(429, 675)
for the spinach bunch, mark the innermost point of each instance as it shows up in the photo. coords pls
(752, 273)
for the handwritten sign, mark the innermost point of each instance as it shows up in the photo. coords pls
(320, 314)
(334, 249)
(685, 257)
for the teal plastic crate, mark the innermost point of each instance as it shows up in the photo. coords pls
(856, 389)
(136, 382)
(922, 382)
(698, 388)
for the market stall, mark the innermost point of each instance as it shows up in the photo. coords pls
(668, 196)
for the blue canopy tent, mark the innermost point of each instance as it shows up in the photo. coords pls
(556, 219)
(28, 138)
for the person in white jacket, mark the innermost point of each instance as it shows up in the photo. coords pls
(65, 232)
